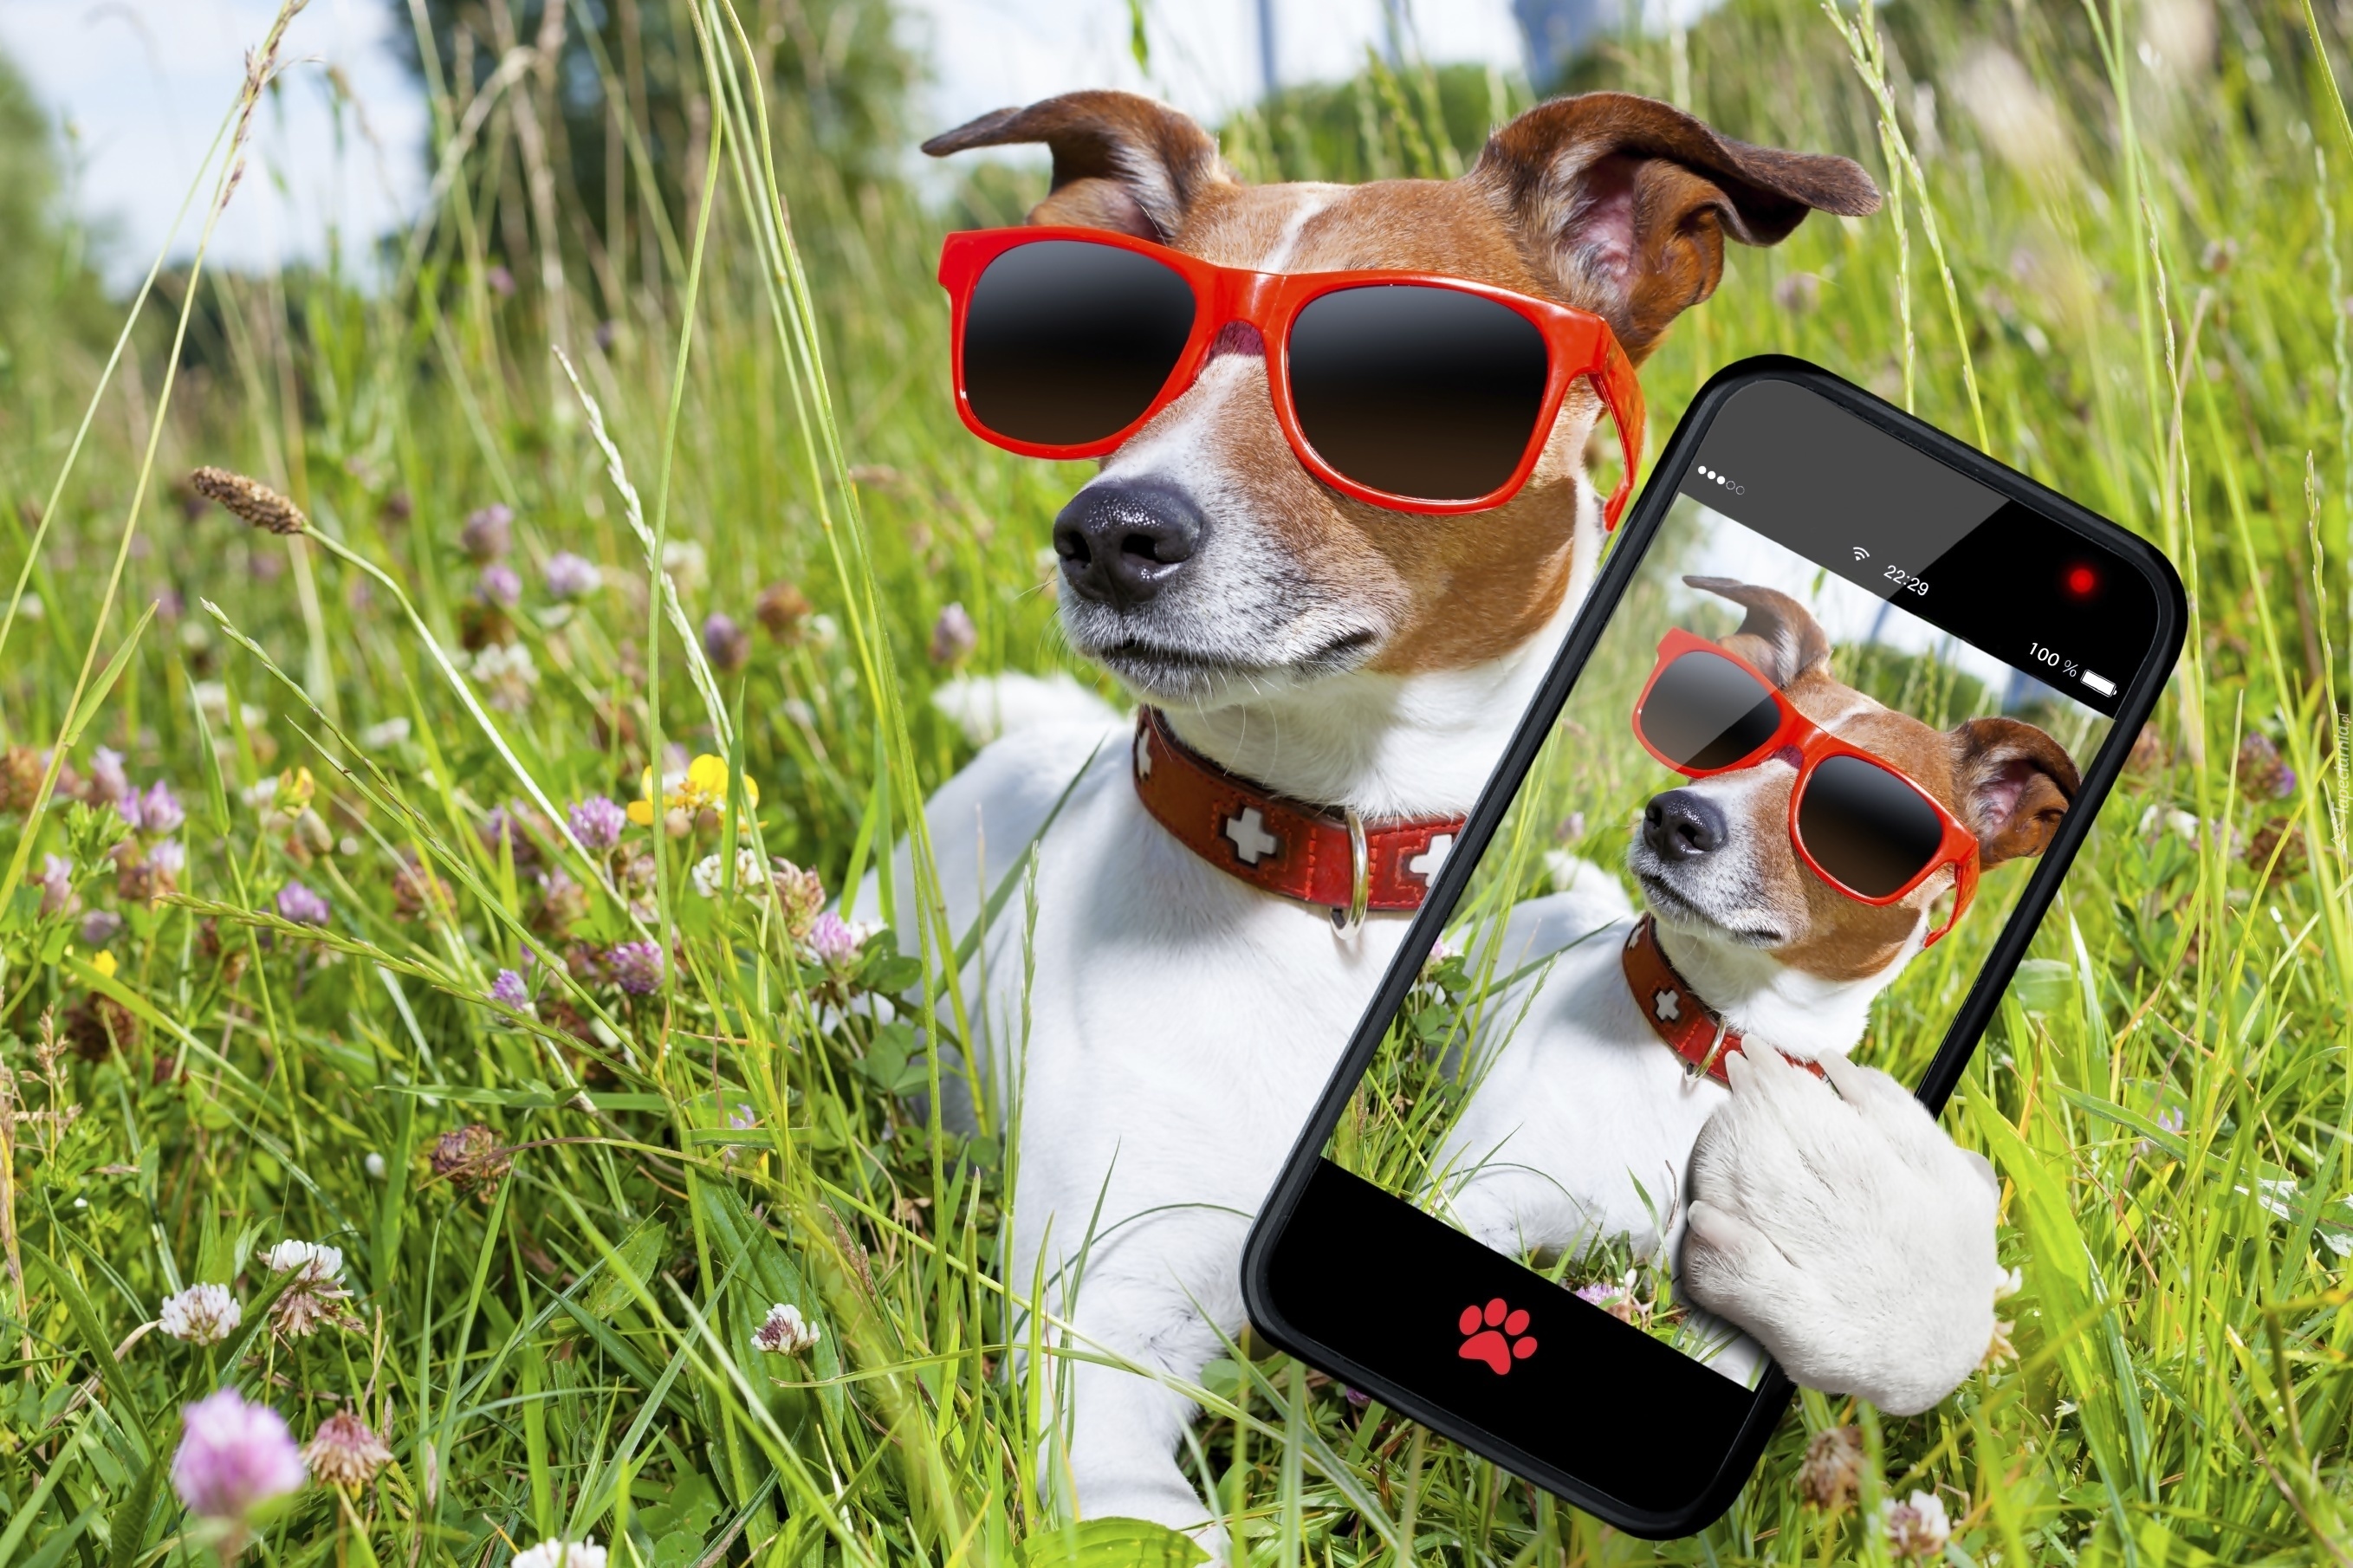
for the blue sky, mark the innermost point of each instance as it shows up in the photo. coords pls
(139, 86)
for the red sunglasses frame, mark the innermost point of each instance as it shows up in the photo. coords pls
(1577, 344)
(1815, 746)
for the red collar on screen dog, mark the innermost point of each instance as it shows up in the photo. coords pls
(1338, 861)
(1691, 1028)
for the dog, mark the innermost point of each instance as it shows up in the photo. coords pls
(1159, 1029)
(1866, 1263)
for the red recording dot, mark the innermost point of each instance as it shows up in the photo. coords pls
(2080, 581)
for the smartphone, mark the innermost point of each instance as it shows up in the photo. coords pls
(1474, 1229)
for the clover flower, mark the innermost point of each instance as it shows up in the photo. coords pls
(785, 1332)
(725, 644)
(233, 1457)
(387, 733)
(688, 566)
(953, 637)
(597, 822)
(417, 892)
(1916, 1528)
(161, 813)
(303, 907)
(834, 941)
(507, 672)
(56, 883)
(1616, 1298)
(781, 608)
(800, 898)
(583, 1554)
(499, 584)
(471, 1159)
(570, 576)
(314, 1298)
(1831, 1472)
(636, 967)
(106, 773)
(489, 532)
(507, 990)
(99, 927)
(200, 1315)
(143, 876)
(344, 1453)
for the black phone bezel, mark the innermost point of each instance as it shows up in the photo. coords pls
(1769, 1400)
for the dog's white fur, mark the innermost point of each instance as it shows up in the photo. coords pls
(1159, 1036)
(1179, 1026)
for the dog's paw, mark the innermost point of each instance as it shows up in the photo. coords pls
(1836, 1223)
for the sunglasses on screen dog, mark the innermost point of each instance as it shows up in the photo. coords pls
(1860, 824)
(1409, 390)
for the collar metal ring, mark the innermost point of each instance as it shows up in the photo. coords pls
(1349, 922)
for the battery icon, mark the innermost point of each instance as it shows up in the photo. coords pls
(2099, 683)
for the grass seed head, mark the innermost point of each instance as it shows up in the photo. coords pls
(251, 500)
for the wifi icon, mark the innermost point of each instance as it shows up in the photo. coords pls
(1861, 553)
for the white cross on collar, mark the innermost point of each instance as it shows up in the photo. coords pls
(1426, 864)
(1251, 839)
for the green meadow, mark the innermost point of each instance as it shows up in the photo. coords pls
(579, 1099)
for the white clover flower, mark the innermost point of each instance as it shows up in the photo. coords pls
(683, 559)
(785, 1331)
(390, 733)
(562, 1554)
(1916, 1528)
(315, 1262)
(316, 1297)
(706, 876)
(201, 1314)
(2011, 1282)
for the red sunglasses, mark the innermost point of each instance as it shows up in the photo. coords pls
(1409, 390)
(1860, 825)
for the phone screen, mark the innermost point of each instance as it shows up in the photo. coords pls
(1835, 713)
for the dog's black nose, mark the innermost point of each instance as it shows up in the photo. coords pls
(1122, 543)
(1682, 824)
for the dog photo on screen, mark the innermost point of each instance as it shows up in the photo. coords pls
(1765, 779)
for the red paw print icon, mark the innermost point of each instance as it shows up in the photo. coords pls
(1496, 1334)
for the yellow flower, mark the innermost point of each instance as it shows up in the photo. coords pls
(296, 789)
(703, 786)
(103, 961)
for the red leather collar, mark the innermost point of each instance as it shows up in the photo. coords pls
(1691, 1028)
(1283, 847)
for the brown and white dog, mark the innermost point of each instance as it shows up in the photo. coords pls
(1843, 1231)
(1160, 1029)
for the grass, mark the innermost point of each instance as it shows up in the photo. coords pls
(2113, 254)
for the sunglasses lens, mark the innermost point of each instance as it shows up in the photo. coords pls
(1431, 393)
(1707, 712)
(1067, 343)
(1867, 827)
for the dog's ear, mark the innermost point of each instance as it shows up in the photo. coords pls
(2015, 784)
(1625, 201)
(1779, 634)
(1121, 161)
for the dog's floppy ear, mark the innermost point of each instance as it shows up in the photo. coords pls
(2015, 784)
(1121, 161)
(1625, 201)
(1779, 634)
